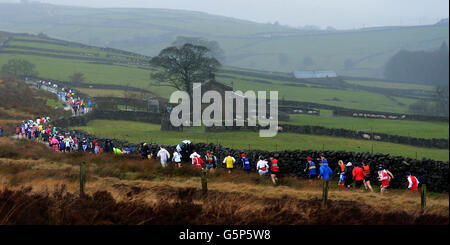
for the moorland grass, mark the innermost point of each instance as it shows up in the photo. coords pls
(244, 197)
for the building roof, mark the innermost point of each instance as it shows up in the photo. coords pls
(213, 84)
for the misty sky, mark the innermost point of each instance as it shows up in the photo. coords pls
(341, 14)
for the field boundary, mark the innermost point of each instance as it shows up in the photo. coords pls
(292, 162)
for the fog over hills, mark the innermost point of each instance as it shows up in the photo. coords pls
(248, 44)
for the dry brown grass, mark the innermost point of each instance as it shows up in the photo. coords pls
(15, 113)
(20, 102)
(184, 206)
(236, 198)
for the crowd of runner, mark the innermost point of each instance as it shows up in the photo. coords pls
(360, 173)
(41, 130)
(68, 95)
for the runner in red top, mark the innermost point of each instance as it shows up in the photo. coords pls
(358, 176)
(413, 182)
(384, 176)
(197, 161)
(274, 171)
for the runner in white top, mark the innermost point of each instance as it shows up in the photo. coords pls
(177, 158)
(194, 155)
(262, 166)
(163, 154)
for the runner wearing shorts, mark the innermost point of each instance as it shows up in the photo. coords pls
(274, 170)
(366, 168)
(210, 162)
(384, 176)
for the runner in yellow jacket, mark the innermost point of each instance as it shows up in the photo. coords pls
(229, 160)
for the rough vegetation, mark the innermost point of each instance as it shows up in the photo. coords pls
(16, 95)
(63, 208)
(19, 102)
(41, 188)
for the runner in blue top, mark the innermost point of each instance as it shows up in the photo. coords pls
(246, 164)
(62, 146)
(325, 172)
(311, 166)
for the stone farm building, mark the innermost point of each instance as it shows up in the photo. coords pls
(221, 88)
(214, 85)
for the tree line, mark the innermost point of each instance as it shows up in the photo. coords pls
(424, 67)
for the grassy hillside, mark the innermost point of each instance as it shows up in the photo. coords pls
(137, 132)
(56, 59)
(53, 61)
(247, 44)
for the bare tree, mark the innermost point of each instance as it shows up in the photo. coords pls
(18, 68)
(77, 77)
(214, 48)
(181, 67)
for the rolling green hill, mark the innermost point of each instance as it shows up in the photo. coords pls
(56, 59)
(246, 44)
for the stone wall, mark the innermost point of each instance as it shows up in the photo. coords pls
(344, 133)
(96, 114)
(292, 163)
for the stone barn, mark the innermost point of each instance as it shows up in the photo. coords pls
(214, 85)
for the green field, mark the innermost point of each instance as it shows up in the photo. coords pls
(379, 84)
(416, 129)
(348, 98)
(92, 92)
(250, 140)
(61, 47)
(246, 44)
(119, 74)
(61, 69)
(55, 103)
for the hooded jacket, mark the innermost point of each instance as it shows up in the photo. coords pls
(325, 172)
(358, 173)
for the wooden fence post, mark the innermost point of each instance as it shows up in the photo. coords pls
(325, 194)
(82, 178)
(204, 184)
(423, 197)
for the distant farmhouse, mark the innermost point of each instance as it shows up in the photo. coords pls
(221, 88)
(314, 74)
